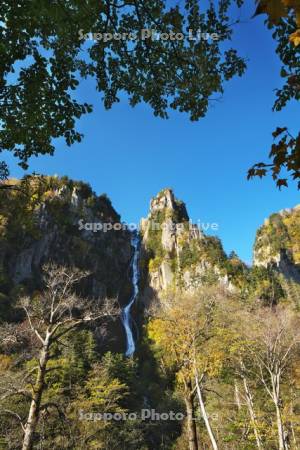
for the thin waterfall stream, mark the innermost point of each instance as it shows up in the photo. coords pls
(126, 312)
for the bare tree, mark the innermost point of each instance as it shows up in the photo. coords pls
(242, 371)
(240, 362)
(274, 340)
(203, 410)
(49, 317)
(183, 327)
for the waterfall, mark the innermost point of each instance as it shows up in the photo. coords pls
(126, 312)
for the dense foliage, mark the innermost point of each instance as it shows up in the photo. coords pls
(45, 56)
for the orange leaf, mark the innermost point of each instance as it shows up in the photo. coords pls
(295, 38)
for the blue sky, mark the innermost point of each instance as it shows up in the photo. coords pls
(131, 155)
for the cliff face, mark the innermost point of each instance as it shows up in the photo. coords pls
(278, 243)
(177, 254)
(51, 219)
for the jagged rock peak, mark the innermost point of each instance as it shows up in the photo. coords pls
(177, 254)
(166, 200)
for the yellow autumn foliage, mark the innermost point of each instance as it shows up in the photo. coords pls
(276, 9)
(295, 38)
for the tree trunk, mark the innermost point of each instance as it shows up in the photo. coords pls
(249, 401)
(237, 395)
(275, 379)
(281, 435)
(34, 411)
(205, 416)
(191, 424)
(292, 424)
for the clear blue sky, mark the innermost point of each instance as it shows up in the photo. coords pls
(131, 155)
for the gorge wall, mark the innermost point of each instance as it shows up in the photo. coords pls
(48, 219)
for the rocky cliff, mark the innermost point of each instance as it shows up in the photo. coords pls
(178, 255)
(278, 243)
(51, 219)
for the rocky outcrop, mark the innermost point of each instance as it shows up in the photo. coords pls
(288, 268)
(57, 220)
(177, 254)
(277, 243)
